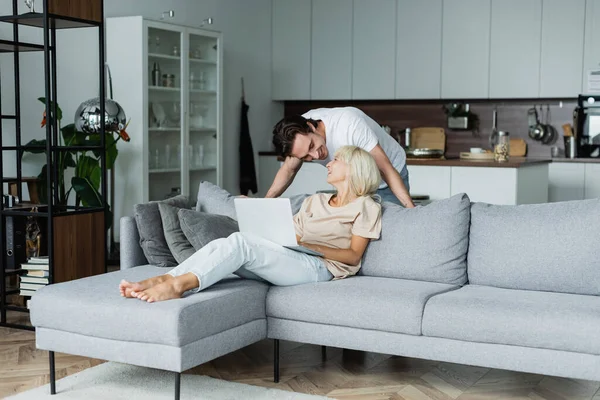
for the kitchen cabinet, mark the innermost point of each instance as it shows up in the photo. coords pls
(566, 181)
(418, 49)
(515, 48)
(429, 180)
(562, 48)
(592, 180)
(466, 49)
(291, 48)
(331, 50)
(373, 49)
(591, 55)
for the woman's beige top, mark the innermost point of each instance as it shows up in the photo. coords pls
(319, 223)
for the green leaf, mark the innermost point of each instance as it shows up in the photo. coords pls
(111, 148)
(35, 142)
(89, 168)
(41, 187)
(84, 188)
(71, 137)
(58, 110)
(69, 161)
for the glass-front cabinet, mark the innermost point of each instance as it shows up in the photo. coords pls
(184, 76)
(168, 79)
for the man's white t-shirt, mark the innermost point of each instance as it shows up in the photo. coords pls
(350, 126)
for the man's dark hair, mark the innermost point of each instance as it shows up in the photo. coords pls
(285, 132)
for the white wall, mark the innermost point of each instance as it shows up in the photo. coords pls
(246, 27)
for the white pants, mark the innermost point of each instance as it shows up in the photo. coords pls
(252, 257)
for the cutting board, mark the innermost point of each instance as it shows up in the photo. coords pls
(428, 138)
(517, 148)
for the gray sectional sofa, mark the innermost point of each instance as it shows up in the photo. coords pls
(509, 287)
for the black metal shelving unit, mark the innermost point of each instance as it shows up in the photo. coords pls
(49, 23)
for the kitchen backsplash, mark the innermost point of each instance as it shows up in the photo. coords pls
(512, 117)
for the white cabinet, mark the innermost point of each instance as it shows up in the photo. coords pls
(592, 180)
(291, 49)
(429, 180)
(562, 48)
(515, 48)
(466, 48)
(175, 120)
(331, 49)
(373, 49)
(566, 181)
(591, 56)
(419, 49)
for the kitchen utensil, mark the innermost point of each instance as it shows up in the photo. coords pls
(537, 131)
(425, 153)
(494, 134)
(551, 134)
(517, 148)
(570, 147)
(567, 130)
(428, 138)
(465, 155)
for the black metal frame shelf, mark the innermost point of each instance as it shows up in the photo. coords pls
(49, 23)
(9, 46)
(55, 21)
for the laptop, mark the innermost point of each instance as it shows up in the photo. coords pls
(270, 219)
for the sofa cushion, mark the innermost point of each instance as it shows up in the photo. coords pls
(549, 247)
(390, 305)
(486, 314)
(215, 200)
(201, 228)
(427, 243)
(93, 307)
(152, 237)
(178, 243)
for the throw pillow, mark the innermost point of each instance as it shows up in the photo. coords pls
(215, 200)
(152, 237)
(427, 243)
(201, 228)
(179, 245)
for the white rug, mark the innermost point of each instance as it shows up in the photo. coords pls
(120, 381)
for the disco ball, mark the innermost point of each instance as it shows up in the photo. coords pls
(88, 120)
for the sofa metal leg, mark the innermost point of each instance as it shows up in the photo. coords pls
(323, 353)
(276, 362)
(52, 374)
(177, 385)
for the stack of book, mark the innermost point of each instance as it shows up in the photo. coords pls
(36, 277)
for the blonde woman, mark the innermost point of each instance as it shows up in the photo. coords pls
(339, 226)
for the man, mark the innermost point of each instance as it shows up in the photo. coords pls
(317, 134)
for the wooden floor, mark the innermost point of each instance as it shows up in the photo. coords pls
(345, 374)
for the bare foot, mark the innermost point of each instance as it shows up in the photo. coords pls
(131, 289)
(167, 290)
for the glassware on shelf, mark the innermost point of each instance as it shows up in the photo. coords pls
(176, 51)
(197, 80)
(197, 113)
(167, 156)
(177, 160)
(175, 114)
(168, 80)
(157, 163)
(199, 159)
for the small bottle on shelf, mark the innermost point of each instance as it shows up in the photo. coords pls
(501, 150)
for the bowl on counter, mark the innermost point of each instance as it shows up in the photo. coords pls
(424, 153)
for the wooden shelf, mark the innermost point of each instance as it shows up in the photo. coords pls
(8, 46)
(58, 21)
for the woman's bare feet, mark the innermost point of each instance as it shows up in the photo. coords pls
(172, 288)
(131, 289)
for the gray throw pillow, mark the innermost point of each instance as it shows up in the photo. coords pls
(179, 245)
(215, 200)
(427, 243)
(201, 228)
(152, 237)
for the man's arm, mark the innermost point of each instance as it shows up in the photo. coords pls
(285, 176)
(391, 176)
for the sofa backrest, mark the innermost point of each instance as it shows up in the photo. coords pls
(427, 243)
(549, 247)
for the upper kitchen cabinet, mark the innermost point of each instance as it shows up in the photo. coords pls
(591, 55)
(291, 49)
(465, 49)
(374, 49)
(562, 48)
(331, 61)
(418, 49)
(515, 48)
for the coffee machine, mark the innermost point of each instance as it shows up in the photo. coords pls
(586, 121)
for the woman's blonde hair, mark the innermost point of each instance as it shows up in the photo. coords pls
(363, 173)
